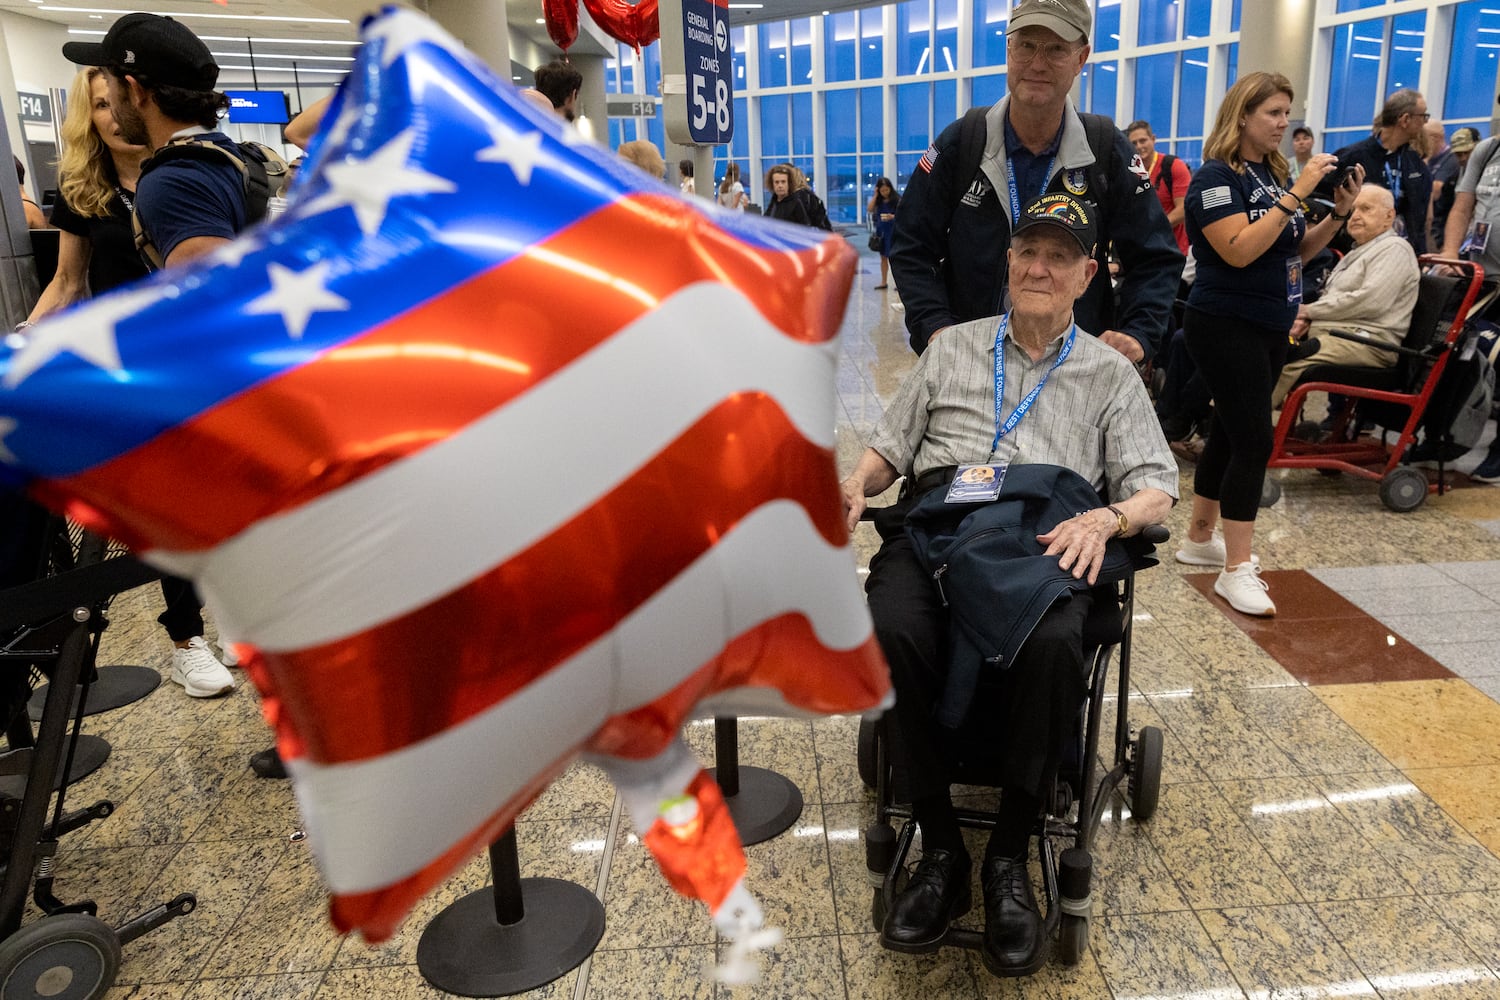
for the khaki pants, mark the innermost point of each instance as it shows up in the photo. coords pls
(1331, 351)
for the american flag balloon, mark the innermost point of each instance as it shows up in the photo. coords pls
(510, 454)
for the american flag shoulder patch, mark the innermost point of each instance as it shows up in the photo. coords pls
(1216, 197)
(928, 160)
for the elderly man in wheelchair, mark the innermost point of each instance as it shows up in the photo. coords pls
(1010, 428)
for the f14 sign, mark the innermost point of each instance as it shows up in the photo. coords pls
(708, 81)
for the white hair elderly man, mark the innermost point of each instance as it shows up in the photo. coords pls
(1371, 293)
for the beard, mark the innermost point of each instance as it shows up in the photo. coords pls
(132, 125)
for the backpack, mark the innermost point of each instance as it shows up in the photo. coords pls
(1461, 402)
(1164, 175)
(817, 213)
(972, 134)
(256, 164)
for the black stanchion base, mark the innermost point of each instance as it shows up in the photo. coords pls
(116, 687)
(91, 754)
(466, 951)
(767, 804)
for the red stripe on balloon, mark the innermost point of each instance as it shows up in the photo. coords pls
(534, 611)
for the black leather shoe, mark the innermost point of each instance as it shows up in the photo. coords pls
(937, 894)
(1013, 932)
(267, 764)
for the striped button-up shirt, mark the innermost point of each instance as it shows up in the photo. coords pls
(1093, 416)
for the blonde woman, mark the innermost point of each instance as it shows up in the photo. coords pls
(96, 253)
(1250, 240)
(731, 191)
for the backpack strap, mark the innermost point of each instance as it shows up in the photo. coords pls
(251, 164)
(1100, 130)
(1165, 173)
(972, 136)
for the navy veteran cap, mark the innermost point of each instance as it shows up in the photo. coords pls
(157, 49)
(1061, 211)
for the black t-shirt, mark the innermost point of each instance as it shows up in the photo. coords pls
(113, 260)
(1258, 291)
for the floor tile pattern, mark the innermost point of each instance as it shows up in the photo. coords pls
(1329, 822)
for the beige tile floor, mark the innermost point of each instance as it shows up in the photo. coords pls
(1330, 841)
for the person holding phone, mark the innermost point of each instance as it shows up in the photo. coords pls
(1250, 240)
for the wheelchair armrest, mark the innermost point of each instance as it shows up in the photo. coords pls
(1360, 338)
(1156, 534)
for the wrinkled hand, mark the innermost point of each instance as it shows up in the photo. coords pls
(1320, 166)
(1125, 344)
(853, 494)
(1079, 543)
(1345, 193)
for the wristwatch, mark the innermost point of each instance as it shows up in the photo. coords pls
(1124, 524)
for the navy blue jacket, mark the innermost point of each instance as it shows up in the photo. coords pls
(1415, 181)
(992, 571)
(951, 234)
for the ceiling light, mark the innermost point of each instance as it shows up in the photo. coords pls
(286, 69)
(281, 55)
(219, 17)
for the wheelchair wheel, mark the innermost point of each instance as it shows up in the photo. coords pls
(1308, 430)
(1403, 489)
(1072, 939)
(1270, 492)
(1145, 773)
(865, 750)
(71, 956)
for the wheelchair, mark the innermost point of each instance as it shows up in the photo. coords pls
(1395, 398)
(1080, 793)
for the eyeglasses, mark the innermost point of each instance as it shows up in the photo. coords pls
(1024, 50)
(1425, 115)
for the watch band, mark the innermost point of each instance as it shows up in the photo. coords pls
(1124, 521)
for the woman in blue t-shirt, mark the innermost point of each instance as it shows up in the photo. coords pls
(882, 211)
(1250, 241)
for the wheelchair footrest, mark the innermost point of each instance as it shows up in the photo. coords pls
(1075, 873)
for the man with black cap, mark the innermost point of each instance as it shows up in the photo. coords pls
(161, 81)
(1058, 419)
(954, 222)
(161, 90)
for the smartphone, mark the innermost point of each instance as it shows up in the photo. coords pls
(1345, 176)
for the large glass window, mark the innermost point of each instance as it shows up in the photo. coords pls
(913, 33)
(802, 127)
(1408, 32)
(990, 19)
(871, 120)
(1345, 6)
(738, 40)
(871, 44)
(1472, 60)
(1192, 92)
(988, 89)
(775, 128)
(841, 46)
(1199, 20)
(773, 48)
(1158, 22)
(1100, 84)
(840, 111)
(1354, 80)
(841, 189)
(1107, 26)
(1154, 83)
(945, 35)
(913, 122)
(802, 59)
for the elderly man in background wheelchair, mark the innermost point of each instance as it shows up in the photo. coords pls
(1366, 302)
(1053, 412)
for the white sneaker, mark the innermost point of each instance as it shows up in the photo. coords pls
(1209, 553)
(227, 655)
(1245, 591)
(199, 673)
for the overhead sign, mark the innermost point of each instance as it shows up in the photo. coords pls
(36, 108)
(706, 85)
(629, 106)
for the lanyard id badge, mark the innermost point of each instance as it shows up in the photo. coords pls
(1004, 425)
(1479, 238)
(1294, 280)
(976, 484)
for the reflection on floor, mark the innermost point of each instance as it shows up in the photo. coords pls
(1329, 824)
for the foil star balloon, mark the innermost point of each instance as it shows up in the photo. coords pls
(502, 452)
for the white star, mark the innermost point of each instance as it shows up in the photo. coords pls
(518, 150)
(6, 455)
(401, 29)
(295, 296)
(351, 113)
(89, 333)
(368, 185)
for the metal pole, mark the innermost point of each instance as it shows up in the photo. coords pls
(297, 85)
(254, 79)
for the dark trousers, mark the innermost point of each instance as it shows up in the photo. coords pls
(1240, 362)
(183, 618)
(1183, 390)
(1024, 722)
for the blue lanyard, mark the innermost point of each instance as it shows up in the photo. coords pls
(1004, 427)
(1393, 177)
(1015, 196)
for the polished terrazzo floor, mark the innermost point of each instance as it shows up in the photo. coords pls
(1329, 824)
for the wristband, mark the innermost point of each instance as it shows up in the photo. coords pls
(1289, 211)
(1341, 218)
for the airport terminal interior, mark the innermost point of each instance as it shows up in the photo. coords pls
(1329, 819)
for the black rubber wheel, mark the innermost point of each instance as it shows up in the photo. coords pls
(1072, 939)
(71, 956)
(1145, 773)
(1403, 489)
(865, 750)
(1270, 492)
(1330, 473)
